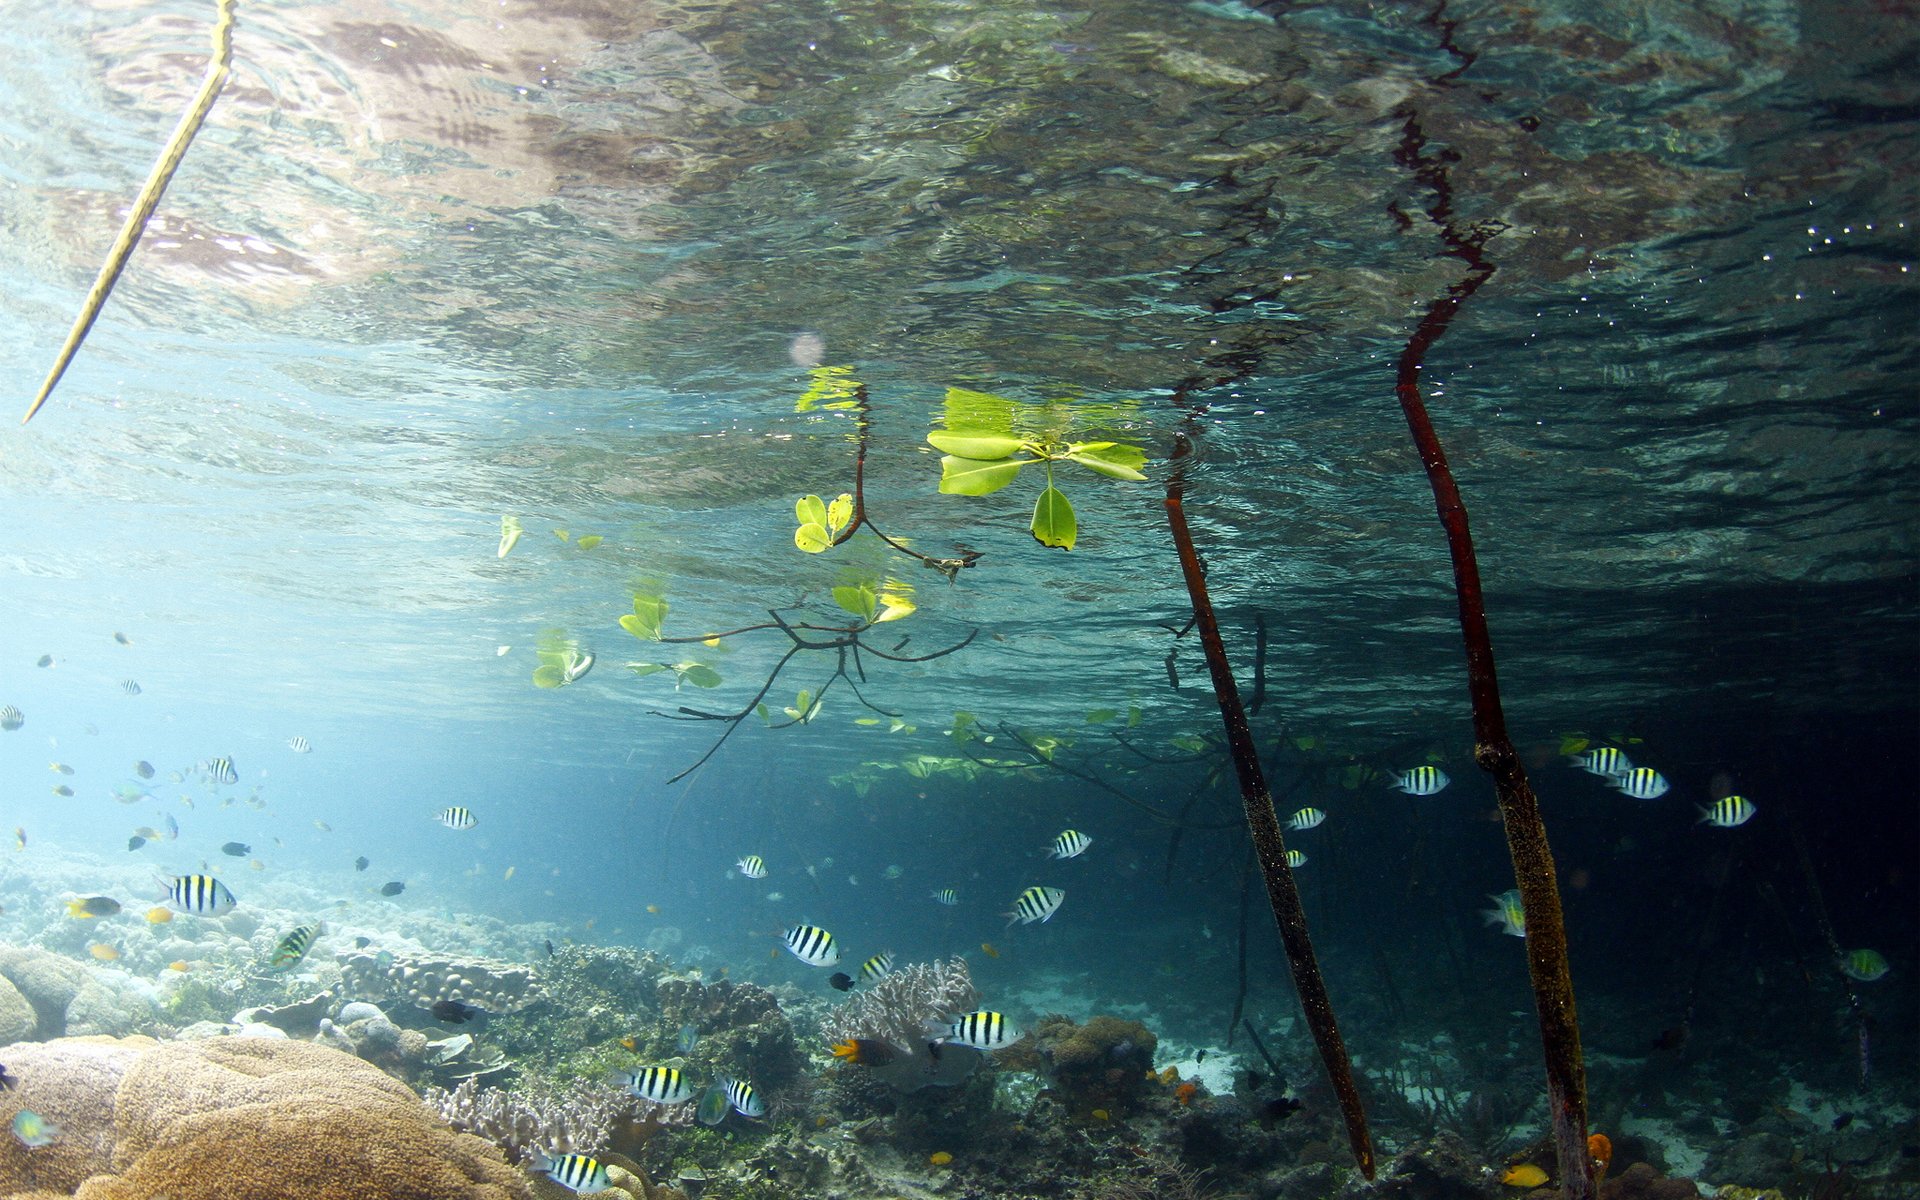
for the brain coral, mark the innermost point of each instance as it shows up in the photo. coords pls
(72, 1083)
(236, 1119)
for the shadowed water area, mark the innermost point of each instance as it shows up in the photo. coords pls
(577, 264)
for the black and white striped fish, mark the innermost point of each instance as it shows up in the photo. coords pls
(982, 1030)
(129, 687)
(575, 1172)
(1421, 781)
(744, 1099)
(1604, 761)
(878, 967)
(198, 895)
(752, 866)
(1642, 783)
(11, 718)
(946, 896)
(662, 1085)
(1296, 858)
(1037, 904)
(221, 770)
(812, 945)
(1070, 844)
(1728, 811)
(456, 817)
(299, 745)
(1306, 818)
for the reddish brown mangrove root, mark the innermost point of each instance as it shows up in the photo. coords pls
(1493, 748)
(1264, 824)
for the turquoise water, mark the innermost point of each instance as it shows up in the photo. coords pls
(424, 269)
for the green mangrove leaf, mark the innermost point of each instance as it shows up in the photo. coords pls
(812, 537)
(649, 612)
(589, 542)
(866, 720)
(840, 511)
(973, 477)
(549, 675)
(646, 668)
(1133, 716)
(1101, 716)
(893, 606)
(810, 510)
(899, 726)
(762, 711)
(509, 534)
(916, 768)
(804, 707)
(857, 599)
(698, 674)
(1110, 459)
(563, 535)
(967, 443)
(1053, 523)
(1189, 743)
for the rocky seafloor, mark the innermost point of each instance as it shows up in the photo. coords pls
(179, 1063)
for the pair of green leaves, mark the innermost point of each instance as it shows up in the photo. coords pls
(819, 522)
(805, 707)
(644, 622)
(562, 661)
(875, 606)
(983, 452)
(684, 673)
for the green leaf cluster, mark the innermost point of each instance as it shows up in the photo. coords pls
(984, 447)
(649, 611)
(562, 661)
(819, 522)
(684, 673)
(889, 601)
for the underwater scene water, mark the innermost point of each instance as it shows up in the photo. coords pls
(597, 612)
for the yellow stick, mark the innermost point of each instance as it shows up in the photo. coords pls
(157, 180)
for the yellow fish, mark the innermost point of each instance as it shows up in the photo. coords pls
(256, 864)
(987, 949)
(178, 964)
(103, 952)
(508, 875)
(159, 916)
(1523, 1175)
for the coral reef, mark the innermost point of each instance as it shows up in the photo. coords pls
(897, 1010)
(1642, 1182)
(571, 1118)
(47, 981)
(236, 1119)
(1102, 1065)
(426, 979)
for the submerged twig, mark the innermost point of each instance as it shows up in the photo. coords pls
(148, 200)
(1283, 894)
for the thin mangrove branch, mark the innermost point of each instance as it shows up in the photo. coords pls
(863, 424)
(1546, 940)
(1263, 823)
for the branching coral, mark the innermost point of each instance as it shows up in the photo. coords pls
(896, 1010)
(578, 1118)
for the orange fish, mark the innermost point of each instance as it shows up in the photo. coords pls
(939, 1158)
(868, 1052)
(103, 952)
(987, 949)
(159, 916)
(630, 1042)
(178, 964)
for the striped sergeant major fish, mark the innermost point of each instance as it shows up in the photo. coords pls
(743, 1098)
(752, 866)
(11, 718)
(1602, 760)
(456, 817)
(198, 895)
(1296, 858)
(299, 744)
(812, 945)
(1642, 783)
(575, 1172)
(1306, 818)
(1421, 781)
(1070, 844)
(1728, 811)
(982, 1030)
(294, 947)
(1037, 904)
(130, 687)
(662, 1085)
(221, 770)
(946, 896)
(878, 967)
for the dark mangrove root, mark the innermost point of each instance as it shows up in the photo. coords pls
(1264, 825)
(1493, 749)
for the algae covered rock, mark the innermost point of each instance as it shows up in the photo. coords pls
(17, 1018)
(234, 1119)
(72, 1083)
(48, 981)
(1103, 1064)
